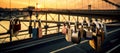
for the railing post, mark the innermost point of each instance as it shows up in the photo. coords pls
(11, 33)
(46, 26)
(58, 23)
(69, 17)
(30, 22)
(11, 30)
(77, 19)
(104, 26)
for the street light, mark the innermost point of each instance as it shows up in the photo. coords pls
(89, 4)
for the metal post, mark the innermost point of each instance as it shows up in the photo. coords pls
(104, 26)
(30, 22)
(58, 23)
(77, 19)
(11, 31)
(10, 38)
(69, 17)
(46, 24)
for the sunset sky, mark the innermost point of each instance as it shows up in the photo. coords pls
(60, 4)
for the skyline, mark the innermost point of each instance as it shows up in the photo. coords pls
(60, 4)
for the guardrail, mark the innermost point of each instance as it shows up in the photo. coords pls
(46, 22)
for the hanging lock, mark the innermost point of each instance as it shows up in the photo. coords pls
(35, 31)
(76, 35)
(39, 29)
(102, 33)
(11, 26)
(83, 32)
(69, 32)
(16, 25)
(64, 29)
(97, 37)
(89, 32)
(95, 28)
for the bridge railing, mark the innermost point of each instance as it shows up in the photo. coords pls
(53, 21)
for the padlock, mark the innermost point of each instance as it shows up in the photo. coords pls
(96, 41)
(93, 27)
(102, 33)
(39, 29)
(97, 37)
(82, 32)
(69, 32)
(68, 35)
(64, 29)
(35, 31)
(16, 25)
(89, 32)
(98, 48)
(10, 31)
(76, 35)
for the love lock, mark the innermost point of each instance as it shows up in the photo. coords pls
(15, 26)
(69, 32)
(11, 26)
(76, 35)
(64, 29)
(34, 31)
(84, 24)
(83, 32)
(39, 29)
(89, 32)
(98, 41)
(102, 33)
(97, 37)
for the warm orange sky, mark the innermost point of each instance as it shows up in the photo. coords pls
(69, 4)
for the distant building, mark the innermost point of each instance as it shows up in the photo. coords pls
(31, 7)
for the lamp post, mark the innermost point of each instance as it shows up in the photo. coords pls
(90, 4)
(89, 7)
